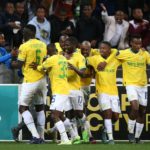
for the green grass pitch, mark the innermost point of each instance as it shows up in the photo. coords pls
(51, 146)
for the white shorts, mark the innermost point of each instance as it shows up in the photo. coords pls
(138, 93)
(58, 102)
(75, 100)
(35, 92)
(107, 101)
(86, 93)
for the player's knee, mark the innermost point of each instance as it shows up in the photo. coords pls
(115, 117)
(79, 114)
(39, 107)
(142, 112)
(70, 114)
(56, 115)
(135, 112)
(107, 114)
(23, 108)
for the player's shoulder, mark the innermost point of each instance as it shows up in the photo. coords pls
(93, 58)
(124, 51)
(78, 55)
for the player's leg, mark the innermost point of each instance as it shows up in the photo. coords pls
(69, 128)
(70, 113)
(83, 122)
(105, 104)
(15, 130)
(86, 92)
(133, 114)
(115, 105)
(27, 94)
(140, 123)
(40, 115)
(142, 93)
(39, 102)
(57, 108)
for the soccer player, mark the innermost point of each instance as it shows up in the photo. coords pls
(76, 64)
(86, 51)
(60, 45)
(106, 87)
(56, 66)
(135, 79)
(15, 130)
(34, 83)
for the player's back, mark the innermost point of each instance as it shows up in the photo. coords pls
(32, 51)
(58, 74)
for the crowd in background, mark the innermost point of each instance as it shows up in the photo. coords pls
(88, 20)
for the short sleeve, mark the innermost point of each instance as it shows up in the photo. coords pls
(22, 53)
(147, 58)
(81, 62)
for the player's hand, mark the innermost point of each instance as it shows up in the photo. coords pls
(33, 65)
(103, 7)
(14, 53)
(101, 66)
(14, 64)
(70, 66)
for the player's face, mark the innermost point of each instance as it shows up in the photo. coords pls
(104, 50)
(62, 41)
(40, 13)
(85, 50)
(68, 47)
(136, 44)
(119, 16)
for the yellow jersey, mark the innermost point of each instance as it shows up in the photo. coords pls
(78, 61)
(134, 66)
(32, 51)
(58, 47)
(86, 81)
(94, 52)
(57, 69)
(106, 79)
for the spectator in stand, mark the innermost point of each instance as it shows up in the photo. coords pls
(61, 26)
(31, 6)
(88, 28)
(65, 4)
(110, 4)
(6, 74)
(21, 13)
(10, 24)
(146, 10)
(116, 29)
(42, 25)
(139, 26)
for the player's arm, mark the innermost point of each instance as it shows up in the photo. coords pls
(21, 58)
(80, 72)
(17, 64)
(147, 58)
(101, 66)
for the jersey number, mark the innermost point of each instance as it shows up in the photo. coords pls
(63, 69)
(38, 58)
